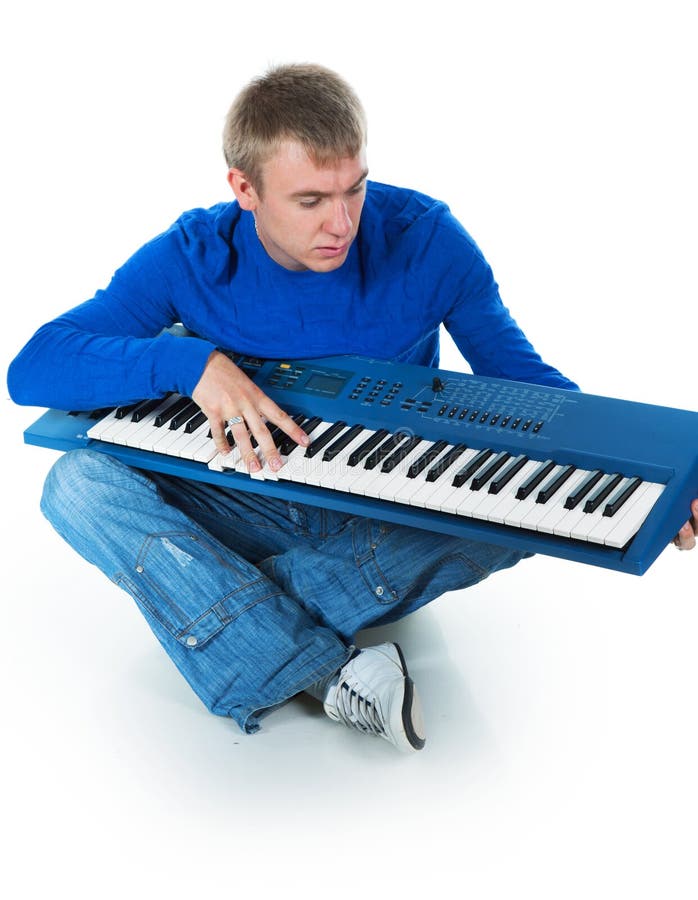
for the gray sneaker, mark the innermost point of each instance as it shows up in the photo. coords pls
(375, 695)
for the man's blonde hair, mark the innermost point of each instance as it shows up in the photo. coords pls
(302, 102)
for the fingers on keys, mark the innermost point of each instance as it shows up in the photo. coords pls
(219, 436)
(255, 430)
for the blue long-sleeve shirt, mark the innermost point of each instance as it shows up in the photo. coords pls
(411, 268)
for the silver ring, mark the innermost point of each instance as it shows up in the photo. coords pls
(234, 421)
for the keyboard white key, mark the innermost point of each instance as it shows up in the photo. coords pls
(470, 500)
(297, 465)
(114, 429)
(508, 501)
(397, 480)
(324, 473)
(435, 495)
(345, 480)
(556, 511)
(205, 452)
(168, 438)
(145, 434)
(485, 509)
(586, 523)
(412, 486)
(529, 512)
(446, 497)
(386, 484)
(103, 426)
(139, 430)
(181, 446)
(570, 520)
(608, 524)
(337, 474)
(636, 515)
(200, 439)
(225, 461)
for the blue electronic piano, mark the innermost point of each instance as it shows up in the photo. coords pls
(579, 476)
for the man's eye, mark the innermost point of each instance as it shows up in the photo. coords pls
(309, 204)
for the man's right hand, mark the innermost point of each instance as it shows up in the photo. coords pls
(224, 392)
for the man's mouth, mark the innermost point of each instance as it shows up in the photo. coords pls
(333, 251)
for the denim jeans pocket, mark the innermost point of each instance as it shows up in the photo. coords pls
(368, 536)
(182, 581)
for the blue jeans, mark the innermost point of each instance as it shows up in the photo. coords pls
(253, 598)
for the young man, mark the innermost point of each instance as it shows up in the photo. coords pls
(256, 599)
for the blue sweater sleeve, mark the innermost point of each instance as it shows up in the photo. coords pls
(481, 325)
(111, 349)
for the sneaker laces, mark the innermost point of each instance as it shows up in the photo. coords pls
(355, 710)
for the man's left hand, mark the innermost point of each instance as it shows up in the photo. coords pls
(686, 538)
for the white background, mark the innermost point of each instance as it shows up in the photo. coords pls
(560, 699)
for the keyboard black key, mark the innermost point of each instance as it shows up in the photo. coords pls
(145, 408)
(578, 495)
(472, 467)
(372, 441)
(195, 422)
(401, 452)
(384, 449)
(505, 477)
(490, 469)
(327, 436)
(171, 410)
(621, 496)
(308, 426)
(430, 455)
(164, 404)
(182, 417)
(276, 434)
(601, 492)
(534, 479)
(446, 461)
(555, 484)
(122, 411)
(342, 441)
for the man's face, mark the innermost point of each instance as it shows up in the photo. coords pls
(306, 217)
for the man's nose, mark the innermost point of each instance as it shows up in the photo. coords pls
(339, 222)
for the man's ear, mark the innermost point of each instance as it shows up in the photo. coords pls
(244, 192)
